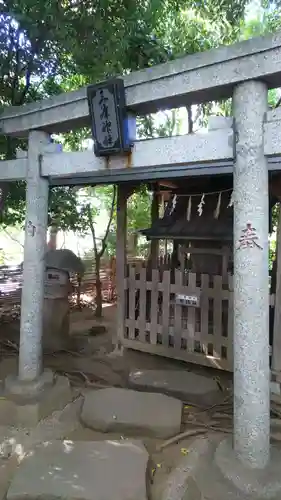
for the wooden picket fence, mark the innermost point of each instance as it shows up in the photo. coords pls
(155, 323)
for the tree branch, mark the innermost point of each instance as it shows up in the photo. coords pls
(92, 228)
(278, 103)
(12, 238)
(35, 51)
(26, 87)
(103, 247)
(16, 75)
(189, 119)
(99, 254)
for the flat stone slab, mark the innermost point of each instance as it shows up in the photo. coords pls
(82, 470)
(114, 410)
(186, 385)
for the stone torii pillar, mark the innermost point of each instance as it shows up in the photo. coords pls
(245, 466)
(251, 289)
(31, 378)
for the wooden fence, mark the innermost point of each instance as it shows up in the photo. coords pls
(11, 283)
(157, 324)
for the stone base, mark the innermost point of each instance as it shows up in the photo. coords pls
(28, 390)
(211, 471)
(20, 409)
(265, 483)
(56, 324)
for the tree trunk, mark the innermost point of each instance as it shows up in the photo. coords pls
(189, 119)
(100, 253)
(98, 312)
(52, 243)
(78, 299)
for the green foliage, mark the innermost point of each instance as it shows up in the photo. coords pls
(47, 47)
(268, 20)
(139, 206)
(229, 11)
(275, 216)
(147, 127)
(99, 199)
(273, 98)
(63, 210)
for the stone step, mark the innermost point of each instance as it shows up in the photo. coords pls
(127, 411)
(81, 470)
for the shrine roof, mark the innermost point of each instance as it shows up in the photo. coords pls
(175, 223)
(182, 219)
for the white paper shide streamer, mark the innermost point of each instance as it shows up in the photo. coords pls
(218, 207)
(231, 201)
(174, 203)
(200, 206)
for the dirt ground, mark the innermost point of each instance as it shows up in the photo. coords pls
(90, 366)
(94, 348)
(104, 343)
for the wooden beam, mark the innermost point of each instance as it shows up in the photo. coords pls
(276, 347)
(121, 259)
(275, 186)
(168, 184)
(154, 245)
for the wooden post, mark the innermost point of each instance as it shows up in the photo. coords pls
(276, 346)
(154, 245)
(121, 259)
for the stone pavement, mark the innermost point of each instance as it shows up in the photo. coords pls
(114, 409)
(17, 443)
(81, 470)
(39, 462)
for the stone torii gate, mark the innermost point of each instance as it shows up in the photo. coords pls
(249, 147)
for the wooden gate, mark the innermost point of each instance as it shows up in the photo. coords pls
(157, 324)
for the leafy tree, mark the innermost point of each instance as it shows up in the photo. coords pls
(31, 55)
(99, 250)
(50, 47)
